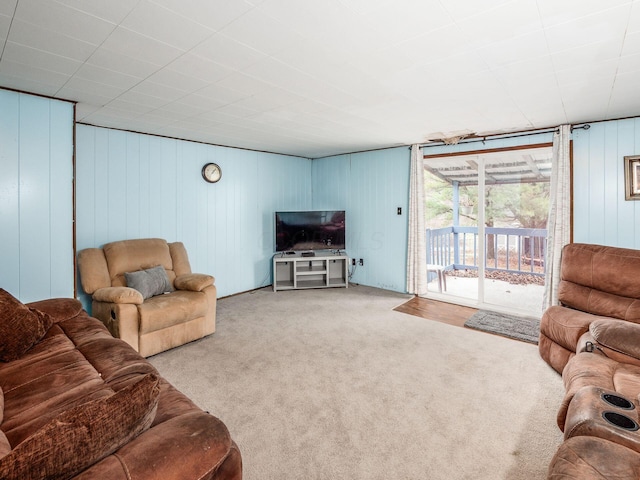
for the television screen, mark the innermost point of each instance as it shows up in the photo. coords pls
(313, 230)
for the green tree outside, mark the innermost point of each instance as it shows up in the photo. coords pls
(515, 205)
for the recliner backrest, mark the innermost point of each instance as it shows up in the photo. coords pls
(134, 255)
(106, 266)
(601, 280)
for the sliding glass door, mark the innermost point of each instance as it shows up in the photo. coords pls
(486, 227)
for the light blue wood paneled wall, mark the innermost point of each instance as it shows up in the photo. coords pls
(137, 186)
(132, 186)
(36, 191)
(370, 186)
(601, 214)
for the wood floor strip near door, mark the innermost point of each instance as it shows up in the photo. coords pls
(439, 311)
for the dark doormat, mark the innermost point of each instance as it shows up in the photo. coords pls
(511, 326)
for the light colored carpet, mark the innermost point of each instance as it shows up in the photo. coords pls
(512, 326)
(334, 384)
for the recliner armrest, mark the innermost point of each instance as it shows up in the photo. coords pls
(617, 339)
(194, 282)
(118, 295)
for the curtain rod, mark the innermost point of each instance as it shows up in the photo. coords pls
(484, 138)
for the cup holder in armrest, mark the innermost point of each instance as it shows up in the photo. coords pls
(617, 401)
(619, 420)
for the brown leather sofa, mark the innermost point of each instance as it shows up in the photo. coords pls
(183, 311)
(593, 339)
(77, 364)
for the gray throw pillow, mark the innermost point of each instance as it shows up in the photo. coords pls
(150, 282)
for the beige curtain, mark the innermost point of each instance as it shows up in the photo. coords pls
(417, 249)
(559, 222)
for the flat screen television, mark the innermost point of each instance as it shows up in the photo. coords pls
(311, 230)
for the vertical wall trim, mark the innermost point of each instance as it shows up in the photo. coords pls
(73, 205)
(571, 191)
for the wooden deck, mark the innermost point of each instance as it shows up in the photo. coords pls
(439, 311)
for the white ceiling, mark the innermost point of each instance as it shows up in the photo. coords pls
(319, 77)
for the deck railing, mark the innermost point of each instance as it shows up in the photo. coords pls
(517, 250)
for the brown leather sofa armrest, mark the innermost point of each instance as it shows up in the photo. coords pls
(58, 308)
(118, 295)
(193, 445)
(617, 339)
(194, 282)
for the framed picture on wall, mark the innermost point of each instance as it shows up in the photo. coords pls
(632, 177)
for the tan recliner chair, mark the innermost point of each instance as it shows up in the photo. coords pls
(154, 324)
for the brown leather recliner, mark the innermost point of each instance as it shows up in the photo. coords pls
(593, 339)
(155, 324)
(597, 282)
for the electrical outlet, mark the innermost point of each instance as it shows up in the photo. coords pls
(361, 262)
(399, 210)
(353, 262)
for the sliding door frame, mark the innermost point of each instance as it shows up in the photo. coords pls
(479, 302)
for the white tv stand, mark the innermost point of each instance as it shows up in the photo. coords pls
(323, 270)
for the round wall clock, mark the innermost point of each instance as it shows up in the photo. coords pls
(211, 172)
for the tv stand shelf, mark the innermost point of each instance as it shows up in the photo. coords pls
(323, 270)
